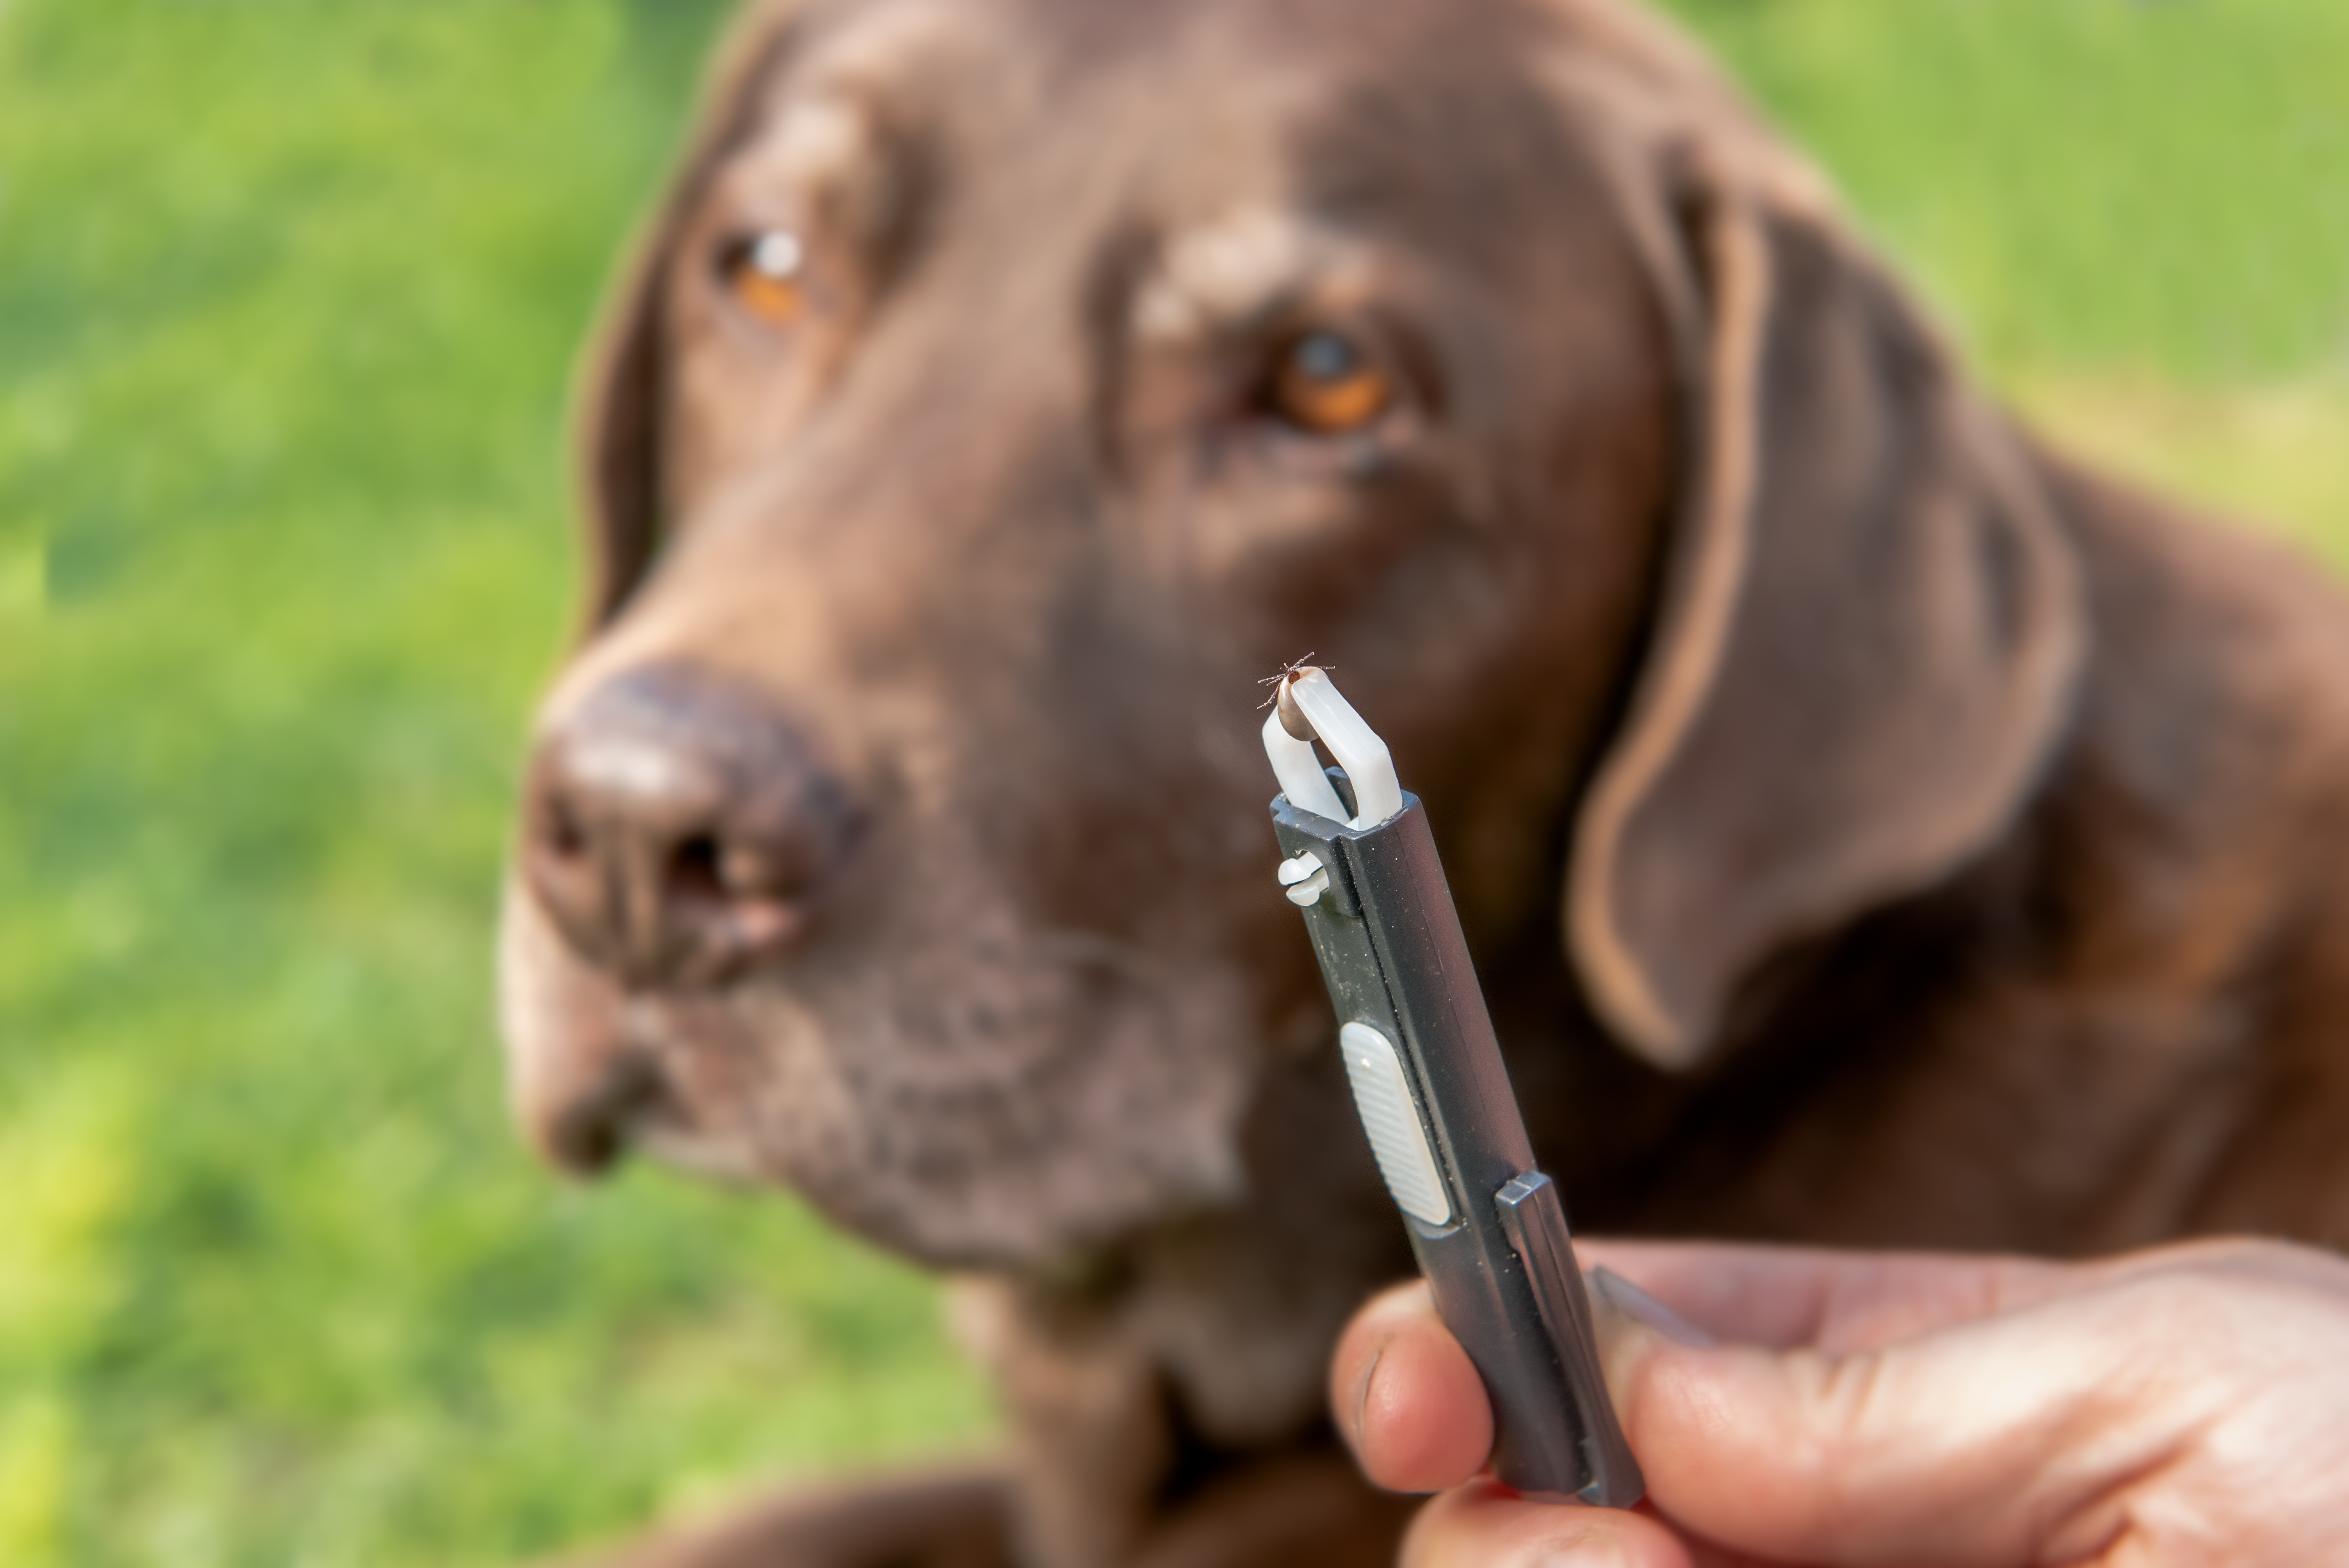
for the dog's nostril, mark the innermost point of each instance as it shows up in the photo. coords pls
(697, 871)
(559, 831)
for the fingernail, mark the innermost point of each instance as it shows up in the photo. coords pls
(1361, 1399)
(1638, 1305)
(1600, 1552)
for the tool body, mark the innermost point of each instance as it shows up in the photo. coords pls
(1488, 1228)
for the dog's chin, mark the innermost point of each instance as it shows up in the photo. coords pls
(998, 1105)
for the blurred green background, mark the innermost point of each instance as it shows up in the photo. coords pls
(288, 294)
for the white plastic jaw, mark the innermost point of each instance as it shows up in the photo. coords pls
(1298, 767)
(1356, 746)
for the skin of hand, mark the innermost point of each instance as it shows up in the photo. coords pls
(2184, 1405)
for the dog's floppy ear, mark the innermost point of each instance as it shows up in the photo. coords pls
(622, 382)
(1869, 627)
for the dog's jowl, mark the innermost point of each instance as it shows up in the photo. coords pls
(1870, 828)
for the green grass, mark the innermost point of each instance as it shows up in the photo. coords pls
(288, 295)
(288, 292)
(2155, 185)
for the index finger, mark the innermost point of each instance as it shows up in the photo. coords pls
(1780, 1297)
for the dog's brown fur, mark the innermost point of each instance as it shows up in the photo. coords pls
(1870, 828)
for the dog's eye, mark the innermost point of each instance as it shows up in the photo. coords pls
(765, 272)
(1327, 384)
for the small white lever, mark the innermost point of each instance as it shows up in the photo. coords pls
(1306, 877)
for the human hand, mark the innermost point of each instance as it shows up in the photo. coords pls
(2186, 1404)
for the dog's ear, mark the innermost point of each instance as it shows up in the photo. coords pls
(1868, 629)
(622, 396)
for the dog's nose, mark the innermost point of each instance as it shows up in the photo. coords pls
(678, 830)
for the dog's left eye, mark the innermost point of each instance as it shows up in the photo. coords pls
(1328, 384)
(765, 272)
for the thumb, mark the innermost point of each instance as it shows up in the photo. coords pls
(2003, 1439)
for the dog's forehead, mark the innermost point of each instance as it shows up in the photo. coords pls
(1208, 105)
(1069, 39)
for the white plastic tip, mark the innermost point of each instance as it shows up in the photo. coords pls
(1355, 745)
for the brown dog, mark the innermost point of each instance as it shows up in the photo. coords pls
(1869, 828)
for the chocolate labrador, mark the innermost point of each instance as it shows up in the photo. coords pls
(1870, 828)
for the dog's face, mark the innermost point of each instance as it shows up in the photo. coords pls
(1097, 361)
(1010, 387)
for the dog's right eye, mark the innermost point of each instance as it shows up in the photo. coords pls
(765, 274)
(1326, 384)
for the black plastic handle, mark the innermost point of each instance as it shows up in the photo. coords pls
(1503, 1268)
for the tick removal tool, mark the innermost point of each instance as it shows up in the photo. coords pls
(1489, 1230)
